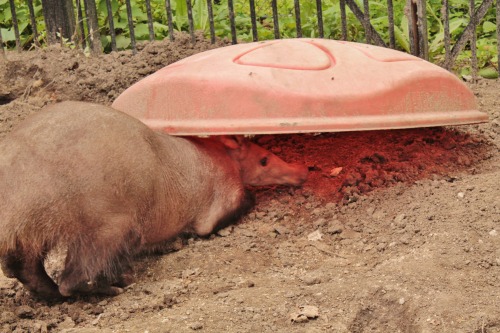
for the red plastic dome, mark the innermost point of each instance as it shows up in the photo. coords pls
(299, 85)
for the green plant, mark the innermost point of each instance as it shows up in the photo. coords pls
(458, 14)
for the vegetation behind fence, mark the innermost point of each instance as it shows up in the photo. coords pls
(459, 33)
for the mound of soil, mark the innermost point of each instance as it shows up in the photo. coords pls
(395, 231)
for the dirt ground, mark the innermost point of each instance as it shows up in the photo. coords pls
(404, 239)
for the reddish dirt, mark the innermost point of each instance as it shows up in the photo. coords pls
(403, 238)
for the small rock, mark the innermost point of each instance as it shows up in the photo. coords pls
(190, 272)
(281, 230)
(467, 78)
(316, 212)
(335, 227)
(378, 214)
(37, 83)
(310, 280)
(381, 247)
(461, 195)
(103, 303)
(67, 323)
(225, 232)
(350, 234)
(493, 233)
(319, 222)
(196, 326)
(399, 218)
(97, 310)
(330, 206)
(7, 284)
(315, 236)
(298, 318)
(248, 233)
(405, 239)
(401, 301)
(368, 247)
(335, 172)
(304, 313)
(40, 326)
(25, 311)
(7, 317)
(310, 311)
(169, 300)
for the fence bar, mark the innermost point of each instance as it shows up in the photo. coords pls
(253, 18)
(230, 7)
(411, 12)
(276, 24)
(343, 19)
(473, 47)
(111, 25)
(211, 21)
(87, 37)
(33, 22)
(446, 23)
(191, 21)
(131, 26)
(470, 29)
(367, 25)
(150, 21)
(422, 29)
(15, 24)
(93, 26)
(298, 24)
(319, 14)
(79, 17)
(366, 19)
(2, 50)
(390, 16)
(498, 38)
(170, 22)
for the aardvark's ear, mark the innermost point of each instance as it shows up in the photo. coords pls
(232, 141)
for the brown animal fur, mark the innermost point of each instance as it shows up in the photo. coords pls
(103, 184)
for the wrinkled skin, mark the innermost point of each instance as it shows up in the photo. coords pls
(103, 185)
(260, 167)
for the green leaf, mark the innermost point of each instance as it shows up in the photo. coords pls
(141, 31)
(8, 35)
(489, 27)
(404, 27)
(457, 23)
(180, 13)
(122, 42)
(488, 73)
(402, 40)
(105, 41)
(7, 15)
(121, 25)
(161, 29)
(137, 13)
(37, 10)
(200, 13)
(103, 8)
(438, 41)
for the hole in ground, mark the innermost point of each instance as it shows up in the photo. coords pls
(5, 99)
